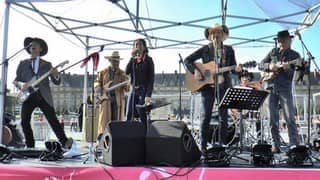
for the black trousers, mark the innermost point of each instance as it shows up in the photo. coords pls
(114, 108)
(138, 99)
(80, 122)
(208, 97)
(36, 100)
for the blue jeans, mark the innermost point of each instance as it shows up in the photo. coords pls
(207, 98)
(286, 101)
(139, 95)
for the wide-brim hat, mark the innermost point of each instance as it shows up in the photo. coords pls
(217, 27)
(284, 34)
(42, 43)
(114, 56)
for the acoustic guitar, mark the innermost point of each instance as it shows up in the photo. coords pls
(269, 76)
(6, 135)
(210, 73)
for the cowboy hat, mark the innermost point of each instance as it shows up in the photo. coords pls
(114, 56)
(215, 28)
(284, 34)
(41, 42)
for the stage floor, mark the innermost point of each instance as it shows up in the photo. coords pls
(240, 168)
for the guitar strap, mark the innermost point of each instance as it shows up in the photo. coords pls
(282, 56)
(275, 56)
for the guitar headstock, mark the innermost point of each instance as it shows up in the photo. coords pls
(249, 64)
(63, 63)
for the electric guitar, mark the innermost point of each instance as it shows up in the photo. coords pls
(269, 76)
(106, 88)
(27, 88)
(209, 71)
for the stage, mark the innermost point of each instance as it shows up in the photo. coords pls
(59, 171)
(81, 168)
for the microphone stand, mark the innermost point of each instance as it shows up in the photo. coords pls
(180, 84)
(6, 61)
(217, 59)
(6, 64)
(93, 115)
(274, 59)
(310, 58)
(133, 93)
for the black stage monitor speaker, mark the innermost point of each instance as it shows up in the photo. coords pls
(123, 144)
(170, 143)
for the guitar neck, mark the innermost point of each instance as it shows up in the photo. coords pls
(36, 82)
(290, 62)
(225, 69)
(279, 65)
(116, 86)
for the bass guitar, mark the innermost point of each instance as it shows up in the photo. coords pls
(27, 88)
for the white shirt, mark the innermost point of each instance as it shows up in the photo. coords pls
(35, 64)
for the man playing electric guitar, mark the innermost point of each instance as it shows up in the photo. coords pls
(223, 56)
(28, 70)
(112, 102)
(280, 88)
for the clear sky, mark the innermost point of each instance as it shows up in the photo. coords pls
(23, 24)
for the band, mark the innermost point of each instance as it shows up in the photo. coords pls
(125, 95)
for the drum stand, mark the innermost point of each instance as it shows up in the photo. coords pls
(242, 99)
(251, 134)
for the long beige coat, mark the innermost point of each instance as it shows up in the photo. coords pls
(105, 106)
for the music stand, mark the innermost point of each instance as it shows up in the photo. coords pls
(243, 98)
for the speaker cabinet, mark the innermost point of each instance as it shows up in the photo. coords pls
(170, 143)
(123, 144)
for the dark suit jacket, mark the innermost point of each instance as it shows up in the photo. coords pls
(25, 73)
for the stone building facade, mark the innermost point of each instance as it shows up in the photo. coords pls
(68, 96)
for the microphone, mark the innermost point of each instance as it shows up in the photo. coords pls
(29, 45)
(134, 52)
(213, 38)
(181, 59)
(216, 39)
(297, 33)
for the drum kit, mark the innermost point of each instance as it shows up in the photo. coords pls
(252, 122)
(251, 128)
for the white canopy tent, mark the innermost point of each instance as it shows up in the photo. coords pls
(94, 28)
